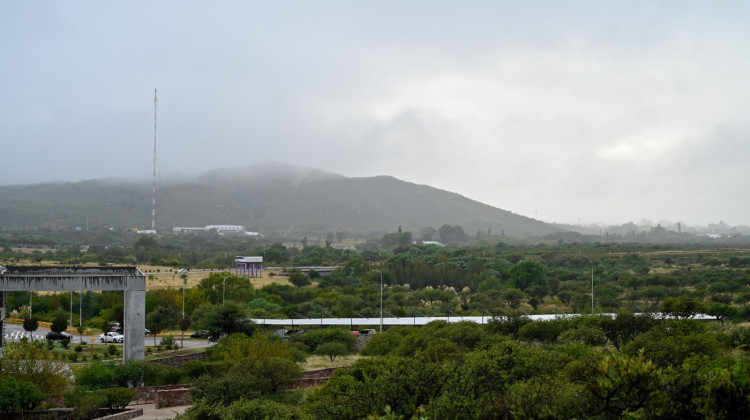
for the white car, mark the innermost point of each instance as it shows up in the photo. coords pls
(111, 337)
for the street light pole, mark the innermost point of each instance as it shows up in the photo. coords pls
(381, 300)
(223, 288)
(592, 286)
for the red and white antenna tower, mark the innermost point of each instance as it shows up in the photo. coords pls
(153, 190)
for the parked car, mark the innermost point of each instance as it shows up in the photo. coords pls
(200, 334)
(116, 327)
(183, 270)
(59, 336)
(111, 337)
(147, 331)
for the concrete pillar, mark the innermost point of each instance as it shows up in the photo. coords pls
(135, 321)
(2, 322)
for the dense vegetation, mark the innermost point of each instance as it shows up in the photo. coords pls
(588, 366)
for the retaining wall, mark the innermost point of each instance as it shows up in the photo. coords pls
(172, 398)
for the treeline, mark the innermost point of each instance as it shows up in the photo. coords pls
(440, 281)
(587, 367)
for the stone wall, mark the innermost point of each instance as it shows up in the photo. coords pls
(312, 378)
(172, 398)
(178, 361)
(147, 394)
(67, 414)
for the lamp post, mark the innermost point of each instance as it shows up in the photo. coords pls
(592, 286)
(224, 288)
(381, 299)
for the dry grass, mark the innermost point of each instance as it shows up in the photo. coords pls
(161, 278)
(322, 362)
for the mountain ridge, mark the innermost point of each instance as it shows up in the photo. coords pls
(271, 197)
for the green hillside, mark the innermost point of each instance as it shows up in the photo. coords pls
(271, 198)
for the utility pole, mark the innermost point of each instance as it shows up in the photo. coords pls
(153, 189)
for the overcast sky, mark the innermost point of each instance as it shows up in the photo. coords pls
(564, 111)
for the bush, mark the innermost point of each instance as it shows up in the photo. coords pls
(251, 379)
(382, 344)
(313, 339)
(247, 409)
(93, 376)
(85, 404)
(134, 373)
(168, 342)
(117, 398)
(50, 344)
(169, 376)
(332, 350)
(544, 331)
(112, 349)
(197, 368)
(78, 348)
(18, 395)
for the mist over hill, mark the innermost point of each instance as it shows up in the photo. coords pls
(269, 198)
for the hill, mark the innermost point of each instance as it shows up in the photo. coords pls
(272, 198)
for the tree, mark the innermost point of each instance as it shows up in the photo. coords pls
(512, 297)
(59, 322)
(450, 234)
(32, 362)
(332, 350)
(18, 395)
(721, 311)
(31, 325)
(682, 307)
(527, 274)
(299, 279)
(225, 320)
(184, 325)
(163, 317)
(627, 387)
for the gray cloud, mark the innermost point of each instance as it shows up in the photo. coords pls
(582, 110)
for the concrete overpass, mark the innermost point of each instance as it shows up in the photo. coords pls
(62, 279)
(424, 320)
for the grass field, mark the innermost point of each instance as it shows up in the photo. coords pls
(163, 277)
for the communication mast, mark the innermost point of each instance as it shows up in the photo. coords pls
(153, 190)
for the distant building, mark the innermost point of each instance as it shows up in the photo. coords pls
(226, 228)
(177, 229)
(221, 229)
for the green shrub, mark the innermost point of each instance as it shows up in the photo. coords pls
(251, 379)
(332, 350)
(247, 409)
(85, 403)
(313, 339)
(96, 375)
(18, 395)
(117, 398)
(112, 349)
(168, 342)
(197, 368)
(78, 348)
(169, 376)
(50, 344)
(135, 373)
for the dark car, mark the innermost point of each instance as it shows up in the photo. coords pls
(59, 336)
(200, 334)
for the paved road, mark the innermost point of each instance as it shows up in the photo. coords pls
(14, 332)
